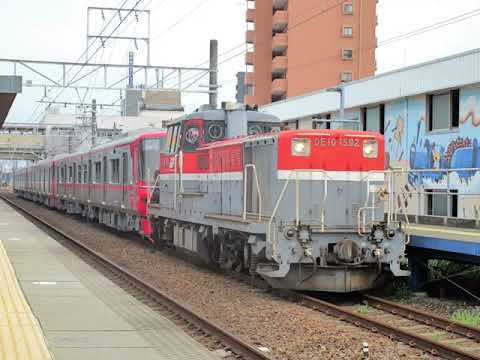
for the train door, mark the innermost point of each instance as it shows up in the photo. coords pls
(248, 154)
(124, 178)
(104, 187)
(90, 177)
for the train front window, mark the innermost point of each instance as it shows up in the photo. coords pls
(149, 159)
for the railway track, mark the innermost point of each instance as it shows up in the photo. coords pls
(433, 334)
(151, 296)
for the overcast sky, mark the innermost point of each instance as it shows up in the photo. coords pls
(56, 30)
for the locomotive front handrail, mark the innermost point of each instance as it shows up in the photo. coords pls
(297, 205)
(259, 193)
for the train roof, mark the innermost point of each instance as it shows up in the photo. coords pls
(221, 115)
(117, 142)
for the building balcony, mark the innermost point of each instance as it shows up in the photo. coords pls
(249, 78)
(250, 36)
(250, 15)
(280, 21)
(279, 87)
(279, 65)
(279, 43)
(279, 4)
(250, 58)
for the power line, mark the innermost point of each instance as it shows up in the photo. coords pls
(80, 57)
(96, 51)
(182, 18)
(389, 41)
(431, 27)
(319, 13)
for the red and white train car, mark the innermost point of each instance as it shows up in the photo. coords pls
(108, 184)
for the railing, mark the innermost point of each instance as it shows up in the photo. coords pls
(391, 211)
(440, 186)
(273, 241)
(259, 193)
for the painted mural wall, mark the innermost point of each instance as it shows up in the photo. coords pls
(410, 146)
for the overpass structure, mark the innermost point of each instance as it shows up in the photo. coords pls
(22, 142)
(10, 86)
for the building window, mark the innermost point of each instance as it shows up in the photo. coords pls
(348, 9)
(347, 54)
(115, 164)
(438, 204)
(347, 31)
(249, 90)
(373, 118)
(347, 76)
(443, 110)
(98, 172)
(322, 122)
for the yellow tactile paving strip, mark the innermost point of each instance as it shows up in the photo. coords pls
(21, 337)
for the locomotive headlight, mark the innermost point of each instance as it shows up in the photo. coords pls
(301, 147)
(370, 149)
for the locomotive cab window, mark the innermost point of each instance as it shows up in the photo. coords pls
(173, 138)
(149, 159)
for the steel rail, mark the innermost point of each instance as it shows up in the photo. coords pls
(232, 342)
(425, 317)
(430, 346)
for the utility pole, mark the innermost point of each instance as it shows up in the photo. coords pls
(213, 83)
(94, 121)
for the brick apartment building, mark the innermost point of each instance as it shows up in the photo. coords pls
(305, 45)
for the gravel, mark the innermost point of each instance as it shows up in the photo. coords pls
(288, 330)
(442, 307)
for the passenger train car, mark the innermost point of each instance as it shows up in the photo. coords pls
(108, 184)
(304, 209)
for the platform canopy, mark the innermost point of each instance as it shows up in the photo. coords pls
(10, 86)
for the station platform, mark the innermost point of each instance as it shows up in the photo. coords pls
(55, 306)
(459, 242)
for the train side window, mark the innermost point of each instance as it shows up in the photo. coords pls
(98, 172)
(104, 169)
(115, 175)
(79, 177)
(70, 174)
(124, 168)
(89, 171)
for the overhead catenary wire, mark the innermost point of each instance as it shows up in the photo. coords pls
(382, 43)
(80, 57)
(96, 51)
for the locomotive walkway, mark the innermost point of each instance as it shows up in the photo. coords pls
(68, 310)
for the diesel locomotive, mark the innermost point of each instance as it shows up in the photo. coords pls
(303, 209)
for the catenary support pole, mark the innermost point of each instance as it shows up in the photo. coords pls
(213, 83)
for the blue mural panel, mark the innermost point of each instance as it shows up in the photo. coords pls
(411, 146)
